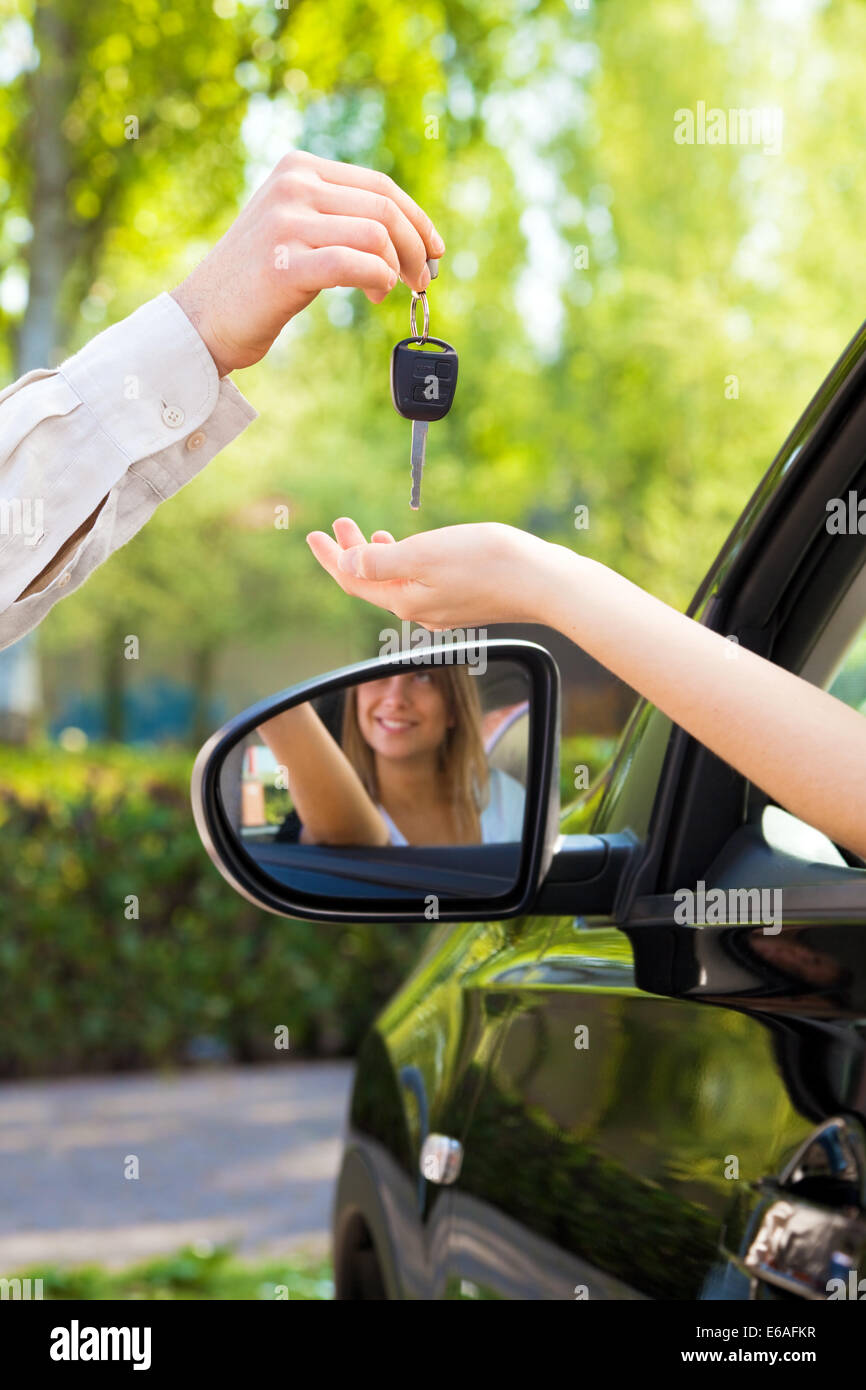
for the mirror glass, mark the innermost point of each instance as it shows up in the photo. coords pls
(409, 783)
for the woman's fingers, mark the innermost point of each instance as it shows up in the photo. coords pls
(472, 573)
(348, 532)
(399, 561)
(399, 594)
(326, 551)
(329, 555)
(382, 560)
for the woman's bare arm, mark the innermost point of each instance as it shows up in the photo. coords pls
(329, 796)
(803, 747)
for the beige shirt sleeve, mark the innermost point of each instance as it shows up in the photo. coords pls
(88, 452)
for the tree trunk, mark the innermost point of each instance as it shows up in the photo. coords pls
(42, 329)
(52, 84)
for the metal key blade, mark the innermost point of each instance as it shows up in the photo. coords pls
(419, 451)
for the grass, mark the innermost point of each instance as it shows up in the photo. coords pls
(198, 1272)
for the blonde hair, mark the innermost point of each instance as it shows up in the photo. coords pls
(462, 761)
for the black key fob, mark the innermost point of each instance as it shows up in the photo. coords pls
(423, 383)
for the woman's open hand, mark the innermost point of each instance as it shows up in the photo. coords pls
(459, 576)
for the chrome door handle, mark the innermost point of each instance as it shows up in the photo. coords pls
(441, 1159)
(805, 1231)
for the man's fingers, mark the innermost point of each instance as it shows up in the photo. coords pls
(330, 266)
(337, 199)
(361, 233)
(356, 176)
(383, 538)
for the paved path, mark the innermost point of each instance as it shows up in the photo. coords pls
(242, 1154)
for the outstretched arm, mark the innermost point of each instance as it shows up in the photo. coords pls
(803, 747)
(88, 451)
(329, 796)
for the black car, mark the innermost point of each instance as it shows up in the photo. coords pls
(630, 1063)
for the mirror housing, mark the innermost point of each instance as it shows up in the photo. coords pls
(395, 887)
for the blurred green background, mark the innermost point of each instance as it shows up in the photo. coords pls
(639, 324)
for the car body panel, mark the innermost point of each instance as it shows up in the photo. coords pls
(617, 1125)
(420, 1069)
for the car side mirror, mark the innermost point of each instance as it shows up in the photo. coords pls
(421, 785)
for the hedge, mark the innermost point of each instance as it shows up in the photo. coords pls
(199, 973)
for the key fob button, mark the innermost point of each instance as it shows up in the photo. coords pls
(411, 373)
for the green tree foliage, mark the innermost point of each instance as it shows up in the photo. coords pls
(639, 322)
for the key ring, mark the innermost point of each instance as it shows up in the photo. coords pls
(416, 295)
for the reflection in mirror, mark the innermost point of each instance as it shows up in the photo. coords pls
(421, 758)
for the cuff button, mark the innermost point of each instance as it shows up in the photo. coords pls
(173, 416)
(196, 439)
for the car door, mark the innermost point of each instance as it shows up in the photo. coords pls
(674, 1107)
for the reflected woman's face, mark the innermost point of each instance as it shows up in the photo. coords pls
(404, 715)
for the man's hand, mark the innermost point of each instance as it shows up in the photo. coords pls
(313, 224)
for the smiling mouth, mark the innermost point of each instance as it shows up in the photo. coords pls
(395, 726)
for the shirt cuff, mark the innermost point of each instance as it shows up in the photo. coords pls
(148, 380)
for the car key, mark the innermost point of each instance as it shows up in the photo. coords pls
(422, 387)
